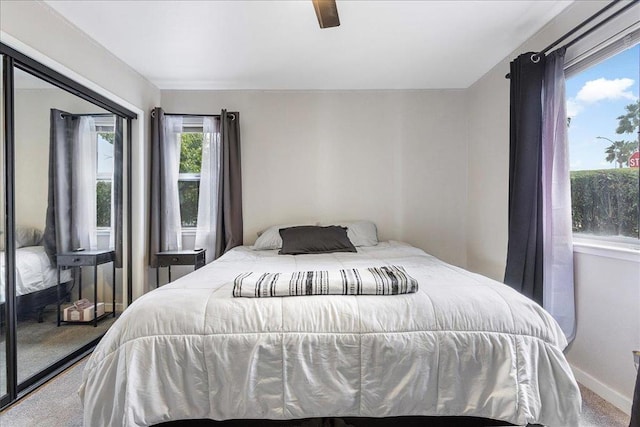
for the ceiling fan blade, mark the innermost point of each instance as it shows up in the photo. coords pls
(327, 13)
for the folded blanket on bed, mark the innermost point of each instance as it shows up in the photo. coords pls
(388, 280)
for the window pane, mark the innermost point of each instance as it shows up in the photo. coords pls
(602, 106)
(103, 196)
(191, 152)
(105, 152)
(188, 191)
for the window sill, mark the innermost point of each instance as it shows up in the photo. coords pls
(627, 252)
(190, 231)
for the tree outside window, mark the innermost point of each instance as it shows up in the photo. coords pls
(189, 178)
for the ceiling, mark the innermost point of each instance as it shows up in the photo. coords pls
(279, 45)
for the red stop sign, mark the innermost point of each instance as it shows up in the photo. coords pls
(634, 160)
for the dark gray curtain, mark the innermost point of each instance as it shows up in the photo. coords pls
(525, 245)
(156, 185)
(58, 230)
(229, 227)
(165, 223)
(118, 164)
(635, 409)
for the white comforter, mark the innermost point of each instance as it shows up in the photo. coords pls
(462, 345)
(33, 271)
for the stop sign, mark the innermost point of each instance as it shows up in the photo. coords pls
(634, 160)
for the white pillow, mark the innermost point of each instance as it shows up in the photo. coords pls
(28, 236)
(270, 238)
(361, 233)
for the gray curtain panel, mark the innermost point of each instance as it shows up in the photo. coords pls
(118, 164)
(155, 221)
(58, 230)
(165, 229)
(635, 408)
(229, 227)
(525, 245)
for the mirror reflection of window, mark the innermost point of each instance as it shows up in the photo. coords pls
(105, 132)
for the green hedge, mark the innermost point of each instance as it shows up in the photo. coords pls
(103, 195)
(605, 202)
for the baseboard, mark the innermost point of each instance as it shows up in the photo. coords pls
(108, 305)
(604, 391)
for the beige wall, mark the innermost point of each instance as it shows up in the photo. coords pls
(395, 157)
(608, 290)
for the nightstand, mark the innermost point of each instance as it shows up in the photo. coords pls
(93, 259)
(195, 257)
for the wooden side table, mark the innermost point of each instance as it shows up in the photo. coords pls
(93, 259)
(195, 257)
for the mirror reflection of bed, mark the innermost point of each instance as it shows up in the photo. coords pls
(87, 133)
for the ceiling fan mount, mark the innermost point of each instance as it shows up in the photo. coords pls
(327, 13)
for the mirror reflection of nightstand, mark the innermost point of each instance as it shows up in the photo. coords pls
(195, 257)
(93, 259)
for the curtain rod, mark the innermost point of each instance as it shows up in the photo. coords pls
(74, 116)
(233, 116)
(582, 24)
(88, 115)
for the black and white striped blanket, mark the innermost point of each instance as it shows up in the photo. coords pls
(387, 280)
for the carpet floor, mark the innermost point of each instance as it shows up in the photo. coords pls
(57, 404)
(42, 344)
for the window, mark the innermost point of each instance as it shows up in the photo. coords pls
(602, 110)
(190, 164)
(105, 130)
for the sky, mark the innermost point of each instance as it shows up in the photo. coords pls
(105, 156)
(595, 97)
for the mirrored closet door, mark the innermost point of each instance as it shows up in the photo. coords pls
(3, 326)
(64, 150)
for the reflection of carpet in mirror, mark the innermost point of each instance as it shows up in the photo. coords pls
(41, 344)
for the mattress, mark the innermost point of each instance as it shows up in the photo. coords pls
(33, 271)
(463, 345)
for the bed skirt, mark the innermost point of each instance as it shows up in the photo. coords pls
(346, 422)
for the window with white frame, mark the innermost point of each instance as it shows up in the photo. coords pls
(603, 126)
(105, 133)
(190, 164)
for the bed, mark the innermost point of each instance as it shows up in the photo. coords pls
(462, 345)
(36, 282)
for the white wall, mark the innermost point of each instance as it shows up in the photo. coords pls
(34, 29)
(395, 157)
(608, 313)
(608, 303)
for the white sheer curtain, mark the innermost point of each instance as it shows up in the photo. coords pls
(84, 169)
(209, 188)
(172, 231)
(113, 207)
(558, 294)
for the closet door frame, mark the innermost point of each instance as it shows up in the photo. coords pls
(13, 59)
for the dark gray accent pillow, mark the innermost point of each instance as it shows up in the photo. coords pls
(308, 239)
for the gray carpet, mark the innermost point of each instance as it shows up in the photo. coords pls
(57, 404)
(42, 344)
